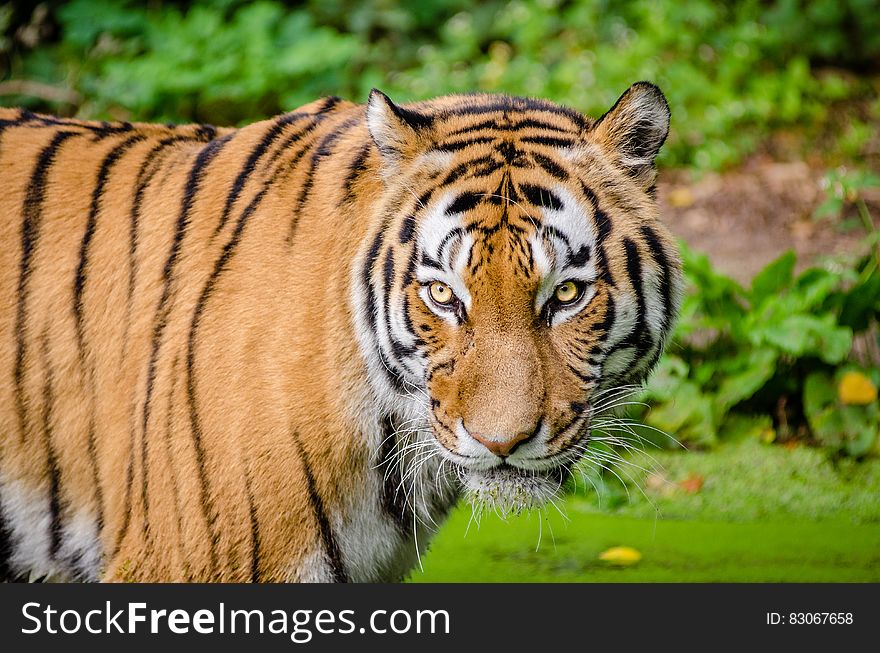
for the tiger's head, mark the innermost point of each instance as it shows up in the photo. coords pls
(520, 272)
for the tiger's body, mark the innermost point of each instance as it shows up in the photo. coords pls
(217, 361)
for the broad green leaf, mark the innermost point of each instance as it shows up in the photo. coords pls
(835, 343)
(760, 366)
(740, 427)
(820, 392)
(773, 279)
(808, 335)
(687, 416)
(862, 303)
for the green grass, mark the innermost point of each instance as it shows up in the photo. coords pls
(764, 514)
(673, 551)
(743, 481)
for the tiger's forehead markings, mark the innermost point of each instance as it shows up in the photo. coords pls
(507, 109)
(566, 238)
(548, 233)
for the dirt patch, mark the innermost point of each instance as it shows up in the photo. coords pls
(745, 218)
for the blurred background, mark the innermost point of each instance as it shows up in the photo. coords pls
(770, 178)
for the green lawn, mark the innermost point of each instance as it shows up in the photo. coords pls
(773, 521)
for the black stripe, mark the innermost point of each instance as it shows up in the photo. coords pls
(24, 116)
(585, 378)
(452, 233)
(603, 231)
(149, 168)
(407, 320)
(414, 119)
(464, 202)
(32, 212)
(477, 126)
(206, 132)
(175, 484)
(392, 375)
(78, 310)
(527, 123)
(480, 167)
(144, 178)
(507, 103)
(634, 273)
(550, 166)
(549, 141)
(424, 198)
(407, 229)
(160, 320)
(219, 266)
(6, 550)
(328, 103)
(206, 497)
(540, 196)
(249, 166)
(355, 169)
(255, 527)
(98, 129)
(455, 146)
(398, 349)
(639, 337)
(607, 322)
(393, 499)
(534, 123)
(314, 120)
(56, 527)
(129, 483)
(659, 255)
(328, 538)
(324, 149)
(553, 231)
(579, 258)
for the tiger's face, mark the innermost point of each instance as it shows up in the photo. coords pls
(530, 274)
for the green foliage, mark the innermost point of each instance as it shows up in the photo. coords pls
(845, 189)
(776, 348)
(842, 426)
(743, 480)
(733, 71)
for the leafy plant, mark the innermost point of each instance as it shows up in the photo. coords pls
(842, 409)
(775, 348)
(846, 188)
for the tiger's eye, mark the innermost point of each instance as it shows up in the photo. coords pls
(566, 292)
(441, 293)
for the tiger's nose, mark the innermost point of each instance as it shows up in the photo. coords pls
(505, 446)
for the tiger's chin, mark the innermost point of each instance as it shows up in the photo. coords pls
(510, 490)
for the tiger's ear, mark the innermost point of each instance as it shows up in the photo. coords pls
(398, 132)
(633, 130)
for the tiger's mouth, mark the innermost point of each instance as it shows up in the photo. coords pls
(507, 489)
(511, 484)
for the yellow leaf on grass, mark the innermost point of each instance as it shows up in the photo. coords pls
(856, 389)
(621, 555)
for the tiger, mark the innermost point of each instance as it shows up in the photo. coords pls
(284, 352)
